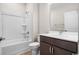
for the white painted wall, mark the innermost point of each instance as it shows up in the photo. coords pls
(44, 18)
(57, 14)
(13, 8)
(35, 21)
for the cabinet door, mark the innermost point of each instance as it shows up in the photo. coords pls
(45, 49)
(60, 51)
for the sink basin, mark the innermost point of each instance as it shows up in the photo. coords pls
(53, 33)
(70, 33)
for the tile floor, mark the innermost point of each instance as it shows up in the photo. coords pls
(27, 53)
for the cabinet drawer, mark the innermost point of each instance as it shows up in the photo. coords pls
(71, 46)
(45, 39)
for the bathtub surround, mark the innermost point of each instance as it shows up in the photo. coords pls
(11, 21)
(20, 9)
(14, 13)
(10, 13)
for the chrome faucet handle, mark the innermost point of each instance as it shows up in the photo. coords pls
(65, 30)
(3, 38)
(28, 32)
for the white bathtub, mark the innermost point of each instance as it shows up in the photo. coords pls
(12, 47)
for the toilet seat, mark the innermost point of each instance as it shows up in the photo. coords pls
(34, 44)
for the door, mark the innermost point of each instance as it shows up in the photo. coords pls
(60, 51)
(45, 49)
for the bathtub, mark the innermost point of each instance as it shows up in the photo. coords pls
(12, 47)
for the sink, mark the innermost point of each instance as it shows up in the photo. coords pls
(69, 34)
(53, 33)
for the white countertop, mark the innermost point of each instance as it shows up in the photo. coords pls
(64, 36)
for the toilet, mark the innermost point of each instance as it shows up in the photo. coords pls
(35, 46)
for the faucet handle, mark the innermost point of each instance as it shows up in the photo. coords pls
(65, 30)
(3, 38)
(28, 32)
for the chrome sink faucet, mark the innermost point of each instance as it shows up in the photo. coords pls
(61, 31)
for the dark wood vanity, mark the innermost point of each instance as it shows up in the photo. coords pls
(55, 46)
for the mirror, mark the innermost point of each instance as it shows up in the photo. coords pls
(64, 17)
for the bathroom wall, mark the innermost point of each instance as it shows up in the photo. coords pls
(44, 18)
(13, 8)
(35, 21)
(57, 14)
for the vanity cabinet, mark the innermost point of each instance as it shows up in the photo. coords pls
(55, 46)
